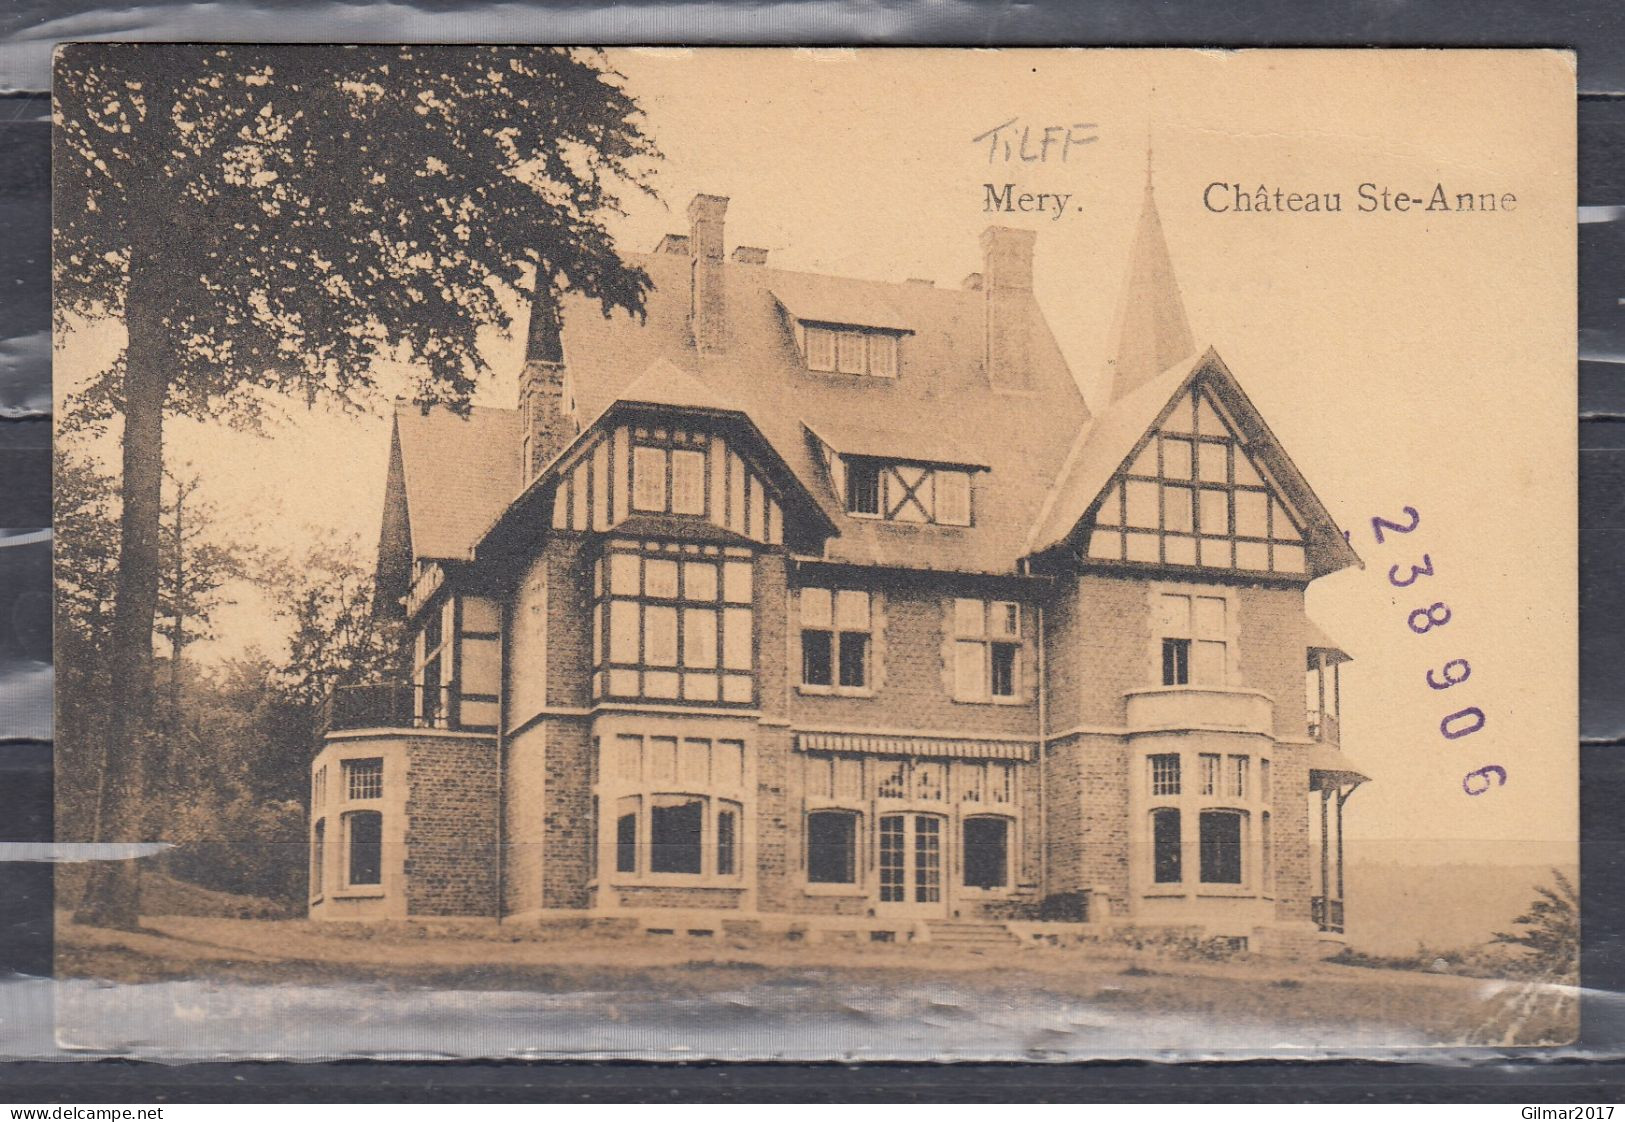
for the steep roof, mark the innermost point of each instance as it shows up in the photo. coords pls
(1104, 446)
(1150, 332)
(459, 474)
(941, 401)
(1099, 450)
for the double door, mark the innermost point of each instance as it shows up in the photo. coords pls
(911, 863)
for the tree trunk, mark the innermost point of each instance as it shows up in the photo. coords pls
(112, 894)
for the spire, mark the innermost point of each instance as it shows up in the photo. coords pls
(542, 343)
(1151, 332)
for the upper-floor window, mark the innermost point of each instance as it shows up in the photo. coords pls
(851, 350)
(674, 623)
(1195, 639)
(987, 650)
(364, 779)
(903, 492)
(432, 669)
(835, 638)
(668, 473)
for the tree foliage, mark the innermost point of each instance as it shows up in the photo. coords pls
(290, 215)
(336, 638)
(276, 220)
(1550, 929)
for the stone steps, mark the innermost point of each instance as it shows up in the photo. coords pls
(971, 936)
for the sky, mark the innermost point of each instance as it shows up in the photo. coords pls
(1403, 359)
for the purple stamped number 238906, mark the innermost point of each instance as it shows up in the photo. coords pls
(1421, 621)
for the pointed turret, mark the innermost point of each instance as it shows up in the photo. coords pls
(543, 402)
(1151, 332)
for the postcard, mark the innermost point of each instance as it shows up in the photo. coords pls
(795, 554)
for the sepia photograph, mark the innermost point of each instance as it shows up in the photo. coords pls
(789, 554)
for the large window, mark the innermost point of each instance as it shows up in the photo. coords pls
(987, 650)
(678, 809)
(1194, 495)
(851, 350)
(1220, 841)
(674, 623)
(904, 492)
(1166, 859)
(669, 473)
(685, 835)
(365, 840)
(676, 833)
(835, 638)
(832, 847)
(1195, 639)
(987, 852)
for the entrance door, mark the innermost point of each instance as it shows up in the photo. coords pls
(911, 864)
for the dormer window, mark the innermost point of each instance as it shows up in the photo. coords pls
(832, 349)
(904, 492)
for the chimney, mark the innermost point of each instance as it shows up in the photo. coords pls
(546, 415)
(750, 255)
(1007, 290)
(708, 296)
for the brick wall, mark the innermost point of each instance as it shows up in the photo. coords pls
(451, 832)
(570, 771)
(778, 821)
(569, 622)
(1295, 860)
(639, 896)
(1063, 810)
(1105, 649)
(1273, 651)
(1104, 859)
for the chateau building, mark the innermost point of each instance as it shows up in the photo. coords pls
(830, 604)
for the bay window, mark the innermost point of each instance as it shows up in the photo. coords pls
(676, 806)
(674, 623)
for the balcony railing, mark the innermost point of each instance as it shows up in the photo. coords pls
(1323, 727)
(1327, 914)
(388, 705)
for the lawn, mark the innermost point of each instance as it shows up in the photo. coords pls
(292, 987)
